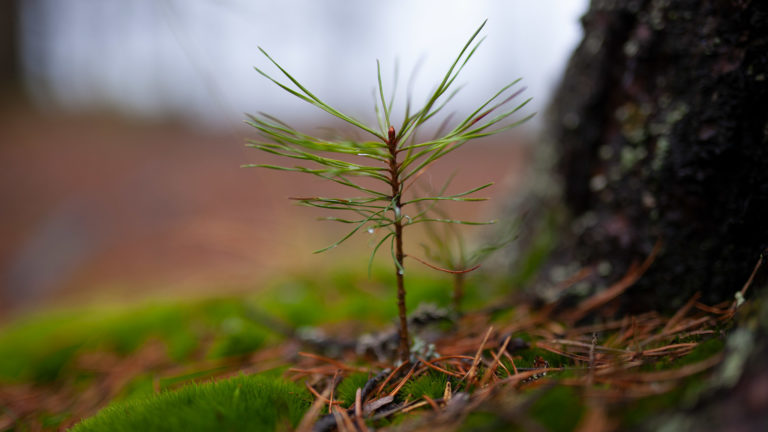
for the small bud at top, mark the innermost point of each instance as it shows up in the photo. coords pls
(391, 134)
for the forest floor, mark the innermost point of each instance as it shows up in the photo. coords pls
(323, 341)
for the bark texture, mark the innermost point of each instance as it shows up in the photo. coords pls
(661, 128)
(9, 45)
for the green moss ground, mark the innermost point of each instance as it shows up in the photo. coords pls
(39, 348)
(41, 351)
(244, 403)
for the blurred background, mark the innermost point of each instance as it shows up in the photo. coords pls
(121, 129)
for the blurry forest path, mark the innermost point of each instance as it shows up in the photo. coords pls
(97, 207)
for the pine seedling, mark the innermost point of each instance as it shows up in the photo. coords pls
(392, 158)
(447, 246)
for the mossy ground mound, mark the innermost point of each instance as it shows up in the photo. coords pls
(243, 403)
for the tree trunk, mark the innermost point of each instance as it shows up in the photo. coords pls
(10, 69)
(661, 129)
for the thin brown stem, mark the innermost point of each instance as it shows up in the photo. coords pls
(404, 351)
(394, 178)
(458, 290)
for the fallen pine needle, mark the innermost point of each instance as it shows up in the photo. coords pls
(496, 360)
(431, 365)
(629, 279)
(404, 380)
(305, 425)
(432, 403)
(334, 362)
(476, 361)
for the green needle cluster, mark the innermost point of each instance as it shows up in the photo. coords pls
(392, 157)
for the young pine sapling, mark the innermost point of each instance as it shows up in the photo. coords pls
(447, 246)
(393, 158)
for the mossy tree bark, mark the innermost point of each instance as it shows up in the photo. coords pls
(661, 129)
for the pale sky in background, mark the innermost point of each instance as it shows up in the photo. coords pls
(195, 58)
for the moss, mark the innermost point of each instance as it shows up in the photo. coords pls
(139, 387)
(431, 384)
(702, 351)
(40, 347)
(558, 410)
(307, 300)
(53, 421)
(189, 377)
(685, 396)
(36, 349)
(640, 410)
(529, 356)
(239, 337)
(346, 390)
(242, 403)
(484, 421)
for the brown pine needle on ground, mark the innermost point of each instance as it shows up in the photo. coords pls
(613, 372)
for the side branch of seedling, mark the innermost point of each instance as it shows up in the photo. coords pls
(393, 159)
